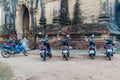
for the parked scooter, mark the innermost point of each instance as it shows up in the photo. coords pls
(42, 52)
(12, 48)
(48, 48)
(109, 51)
(92, 51)
(45, 50)
(109, 48)
(92, 47)
(65, 52)
(65, 49)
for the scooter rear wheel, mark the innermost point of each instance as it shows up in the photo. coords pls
(44, 57)
(92, 56)
(65, 56)
(5, 54)
(110, 57)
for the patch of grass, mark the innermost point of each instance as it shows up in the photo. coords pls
(5, 72)
(117, 51)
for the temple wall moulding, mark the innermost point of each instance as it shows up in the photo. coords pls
(33, 11)
(47, 1)
(24, 2)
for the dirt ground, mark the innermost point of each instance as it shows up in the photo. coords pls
(78, 67)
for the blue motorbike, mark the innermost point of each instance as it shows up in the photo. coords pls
(9, 49)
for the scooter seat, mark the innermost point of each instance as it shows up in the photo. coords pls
(9, 44)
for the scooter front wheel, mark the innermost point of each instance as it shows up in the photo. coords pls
(5, 54)
(49, 55)
(24, 52)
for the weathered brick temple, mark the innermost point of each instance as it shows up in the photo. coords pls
(78, 18)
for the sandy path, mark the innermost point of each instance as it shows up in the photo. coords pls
(79, 67)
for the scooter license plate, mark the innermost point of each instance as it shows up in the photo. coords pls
(42, 51)
(92, 51)
(109, 50)
(65, 51)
